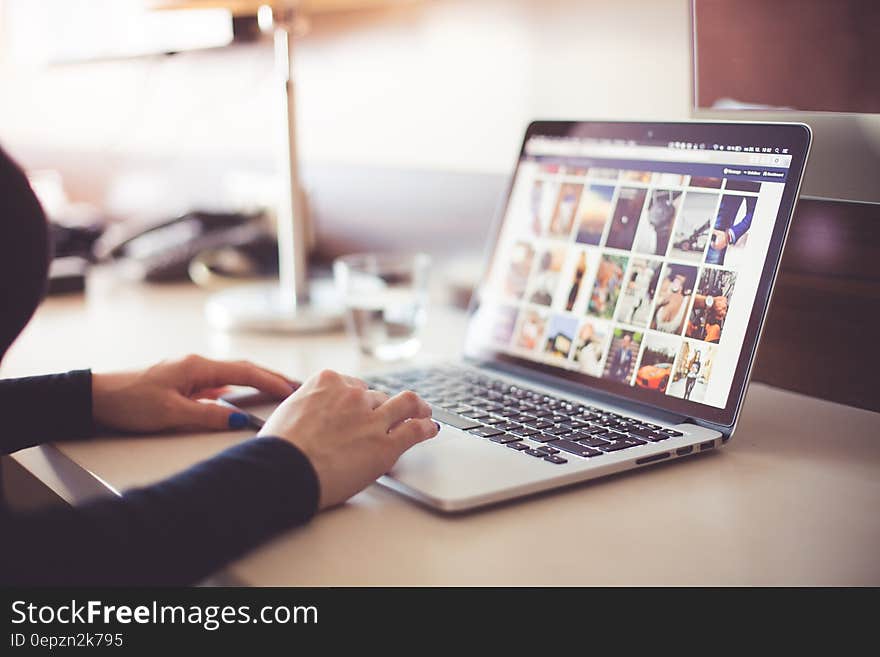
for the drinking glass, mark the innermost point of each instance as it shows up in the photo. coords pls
(385, 298)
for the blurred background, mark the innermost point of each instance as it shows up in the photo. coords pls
(422, 97)
(410, 115)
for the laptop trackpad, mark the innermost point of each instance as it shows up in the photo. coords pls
(455, 469)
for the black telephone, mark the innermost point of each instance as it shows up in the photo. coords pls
(164, 251)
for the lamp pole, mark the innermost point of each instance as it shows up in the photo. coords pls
(291, 209)
(293, 304)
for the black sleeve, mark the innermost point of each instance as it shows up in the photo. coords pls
(174, 532)
(38, 409)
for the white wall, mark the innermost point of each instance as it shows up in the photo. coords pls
(448, 84)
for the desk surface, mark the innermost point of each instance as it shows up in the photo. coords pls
(792, 499)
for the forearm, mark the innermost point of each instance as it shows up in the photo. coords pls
(41, 408)
(175, 532)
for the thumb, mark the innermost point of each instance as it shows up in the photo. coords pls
(209, 415)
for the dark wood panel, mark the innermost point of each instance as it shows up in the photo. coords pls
(824, 321)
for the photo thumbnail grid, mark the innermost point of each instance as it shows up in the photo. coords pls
(625, 275)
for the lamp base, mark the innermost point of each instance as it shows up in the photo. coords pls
(257, 307)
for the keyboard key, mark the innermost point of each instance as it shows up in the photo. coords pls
(592, 441)
(476, 414)
(575, 448)
(558, 431)
(612, 436)
(524, 431)
(543, 437)
(538, 424)
(504, 438)
(486, 432)
(518, 446)
(671, 432)
(654, 436)
(552, 458)
(620, 444)
(453, 420)
(534, 452)
(505, 426)
(546, 449)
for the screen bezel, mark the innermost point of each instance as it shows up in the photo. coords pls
(795, 137)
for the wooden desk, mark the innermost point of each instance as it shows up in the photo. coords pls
(791, 500)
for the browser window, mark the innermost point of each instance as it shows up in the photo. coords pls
(634, 262)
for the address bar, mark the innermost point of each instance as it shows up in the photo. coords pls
(574, 148)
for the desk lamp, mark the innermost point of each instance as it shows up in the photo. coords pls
(292, 304)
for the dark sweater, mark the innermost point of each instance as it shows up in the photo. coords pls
(177, 531)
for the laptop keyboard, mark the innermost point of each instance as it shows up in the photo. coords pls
(529, 421)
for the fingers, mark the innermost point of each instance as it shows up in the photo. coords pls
(411, 432)
(206, 373)
(376, 398)
(403, 406)
(332, 377)
(353, 381)
(210, 393)
(199, 415)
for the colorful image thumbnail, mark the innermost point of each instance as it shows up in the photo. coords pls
(655, 228)
(676, 287)
(563, 214)
(606, 289)
(531, 329)
(503, 324)
(521, 257)
(560, 335)
(706, 182)
(730, 233)
(670, 180)
(641, 282)
(580, 271)
(545, 278)
(594, 212)
(743, 186)
(626, 218)
(636, 176)
(691, 233)
(590, 345)
(692, 371)
(536, 207)
(622, 355)
(711, 303)
(658, 358)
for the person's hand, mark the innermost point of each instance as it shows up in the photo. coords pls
(719, 239)
(350, 434)
(165, 396)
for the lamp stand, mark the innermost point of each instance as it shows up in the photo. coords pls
(292, 304)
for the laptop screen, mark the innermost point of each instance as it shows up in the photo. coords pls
(636, 263)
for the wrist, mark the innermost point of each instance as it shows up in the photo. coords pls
(106, 389)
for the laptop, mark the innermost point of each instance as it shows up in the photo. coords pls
(626, 283)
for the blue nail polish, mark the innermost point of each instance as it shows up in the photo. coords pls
(237, 420)
(437, 424)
